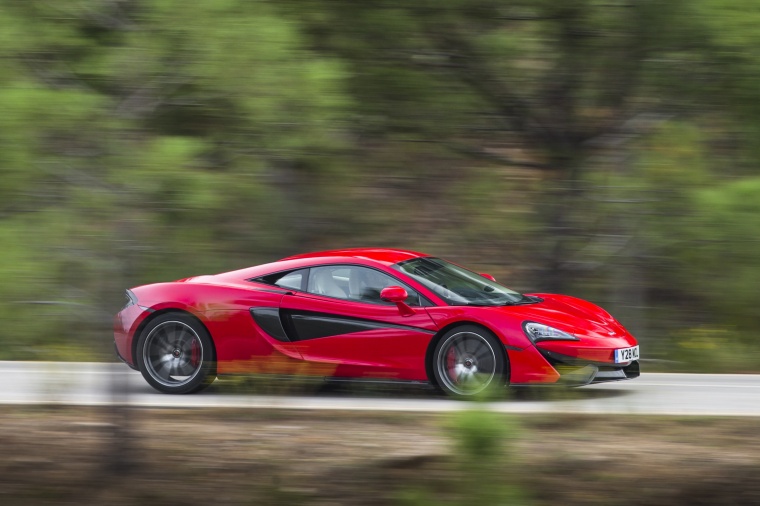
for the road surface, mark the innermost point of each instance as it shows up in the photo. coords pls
(93, 384)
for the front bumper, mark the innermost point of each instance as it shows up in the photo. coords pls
(575, 371)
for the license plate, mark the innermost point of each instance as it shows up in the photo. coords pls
(626, 354)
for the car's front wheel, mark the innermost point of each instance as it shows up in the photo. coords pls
(469, 360)
(175, 354)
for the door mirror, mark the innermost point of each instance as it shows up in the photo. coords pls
(397, 295)
(393, 294)
(488, 276)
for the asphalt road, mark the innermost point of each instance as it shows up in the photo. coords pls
(92, 384)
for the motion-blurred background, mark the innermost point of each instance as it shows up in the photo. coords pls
(602, 148)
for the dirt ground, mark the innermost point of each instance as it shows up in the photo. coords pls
(88, 456)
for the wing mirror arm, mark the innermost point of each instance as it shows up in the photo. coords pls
(404, 309)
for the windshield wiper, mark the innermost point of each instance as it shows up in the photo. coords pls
(526, 300)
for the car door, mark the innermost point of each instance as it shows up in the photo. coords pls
(340, 321)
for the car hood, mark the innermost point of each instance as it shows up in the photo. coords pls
(569, 314)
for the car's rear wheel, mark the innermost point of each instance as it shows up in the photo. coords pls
(469, 360)
(175, 354)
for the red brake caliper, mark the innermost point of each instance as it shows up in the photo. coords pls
(451, 360)
(195, 353)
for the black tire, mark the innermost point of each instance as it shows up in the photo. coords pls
(175, 354)
(469, 360)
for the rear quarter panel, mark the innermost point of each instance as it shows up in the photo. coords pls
(241, 346)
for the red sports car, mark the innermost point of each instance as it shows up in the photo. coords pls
(384, 314)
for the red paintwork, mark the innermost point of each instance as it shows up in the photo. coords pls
(385, 256)
(528, 366)
(394, 294)
(387, 353)
(222, 303)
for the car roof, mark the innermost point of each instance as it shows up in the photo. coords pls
(384, 255)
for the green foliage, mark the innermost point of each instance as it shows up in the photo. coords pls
(715, 349)
(150, 143)
(482, 436)
(723, 252)
(483, 460)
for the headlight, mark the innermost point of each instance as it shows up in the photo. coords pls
(539, 332)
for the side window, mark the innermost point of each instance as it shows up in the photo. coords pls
(355, 283)
(329, 280)
(292, 279)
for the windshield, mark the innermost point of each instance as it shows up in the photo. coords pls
(458, 286)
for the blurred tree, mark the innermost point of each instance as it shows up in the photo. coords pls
(196, 145)
(545, 85)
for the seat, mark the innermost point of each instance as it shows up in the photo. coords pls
(365, 285)
(324, 284)
(355, 284)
